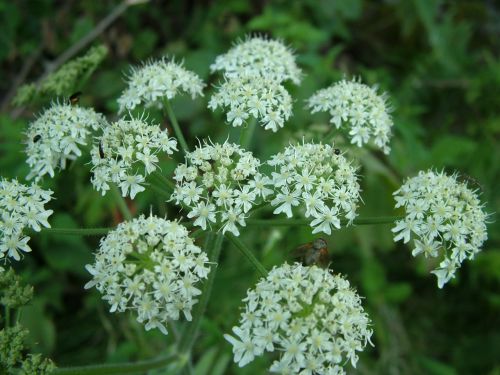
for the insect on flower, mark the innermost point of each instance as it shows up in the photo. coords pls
(75, 98)
(101, 151)
(313, 253)
(36, 138)
(336, 151)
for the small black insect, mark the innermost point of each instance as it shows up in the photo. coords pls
(101, 150)
(336, 151)
(36, 138)
(75, 98)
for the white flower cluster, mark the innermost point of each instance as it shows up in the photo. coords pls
(310, 316)
(56, 136)
(262, 57)
(358, 107)
(150, 266)
(219, 183)
(320, 178)
(156, 80)
(21, 207)
(254, 71)
(126, 152)
(245, 96)
(443, 217)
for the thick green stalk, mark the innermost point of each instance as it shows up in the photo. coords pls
(191, 332)
(294, 222)
(139, 367)
(175, 125)
(247, 253)
(78, 231)
(122, 204)
(247, 133)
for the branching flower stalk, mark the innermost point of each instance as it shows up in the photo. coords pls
(153, 267)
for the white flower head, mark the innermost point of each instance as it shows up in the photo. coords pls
(258, 56)
(245, 96)
(444, 218)
(219, 184)
(151, 266)
(126, 152)
(312, 317)
(21, 207)
(318, 179)
(155, 80)
(57, 135)
(359, 108)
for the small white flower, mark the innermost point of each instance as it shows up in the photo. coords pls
(149, 265)
(57, 135)
(266, 100)
(21, 207)
(203, 213)
(314, 176)
(444, 218)
(156, 80)
(359, 108)
(258, 56)
(126, 152)
(308, 315)
(220, 183)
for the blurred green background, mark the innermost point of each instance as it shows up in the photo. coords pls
(439, 61)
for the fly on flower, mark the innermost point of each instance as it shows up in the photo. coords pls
(36, 138)
(101, 150)
(313, 253)
(75, 98)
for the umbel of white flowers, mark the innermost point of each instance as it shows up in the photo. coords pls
(259, 97)
(254, 71)
(308, 315)
(21, 207)
(317, 179)
(259, 57)
(150, 266)
(359, 109)
(57, 135)
(126, 152)
(444, 218)
(219, 184)
(149, 84)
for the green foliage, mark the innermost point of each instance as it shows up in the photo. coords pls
(65, 80)
(14, 358)
(437, 60)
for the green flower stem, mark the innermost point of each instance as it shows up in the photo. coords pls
(295, 222)
(164, 180)
(122, 204)
(119, 369)
(247, 253)
(175, 125)
(159, 190)
(78, 231)
(247, 133)
(191, 332)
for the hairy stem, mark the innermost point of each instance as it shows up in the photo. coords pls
(78, 231)
(295, 222)
(119, 368)
(247, 134)
(164, 180)
(122, 204)
(247, 253)
(175, 125)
